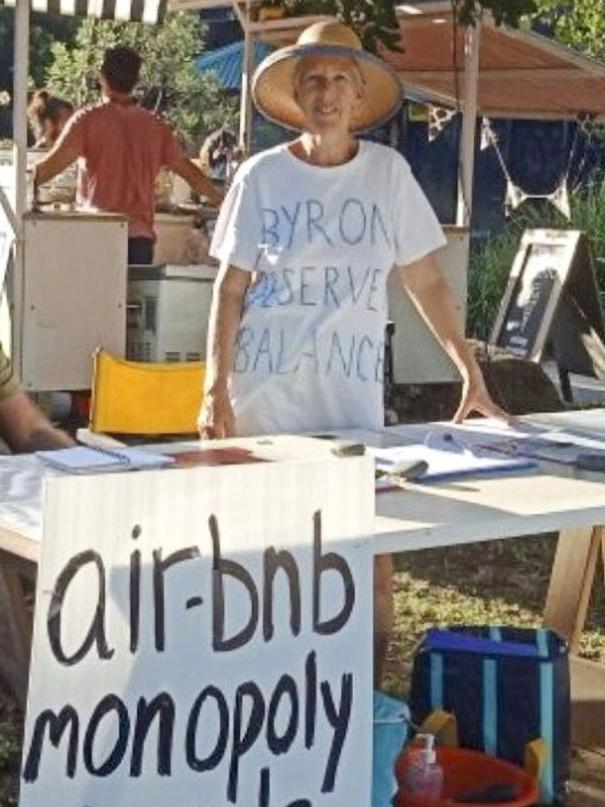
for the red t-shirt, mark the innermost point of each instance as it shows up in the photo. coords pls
(121, 148)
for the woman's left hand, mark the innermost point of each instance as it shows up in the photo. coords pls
(476, 398)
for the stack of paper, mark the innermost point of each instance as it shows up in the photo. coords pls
(448, 464)
(84, 459)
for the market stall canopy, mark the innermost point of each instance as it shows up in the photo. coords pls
(521, 74)
(149, 11)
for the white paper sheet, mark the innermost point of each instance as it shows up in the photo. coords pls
(447, 464)
(21, 485)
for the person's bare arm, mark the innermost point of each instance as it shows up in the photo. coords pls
(186, 169)
(62, 156)
(25, 428)
(216, 418)
(433, 298)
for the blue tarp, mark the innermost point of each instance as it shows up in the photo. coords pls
(227, 63)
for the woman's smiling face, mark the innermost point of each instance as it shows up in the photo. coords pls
(328, 90)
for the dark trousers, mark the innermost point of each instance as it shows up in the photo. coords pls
(140, 250)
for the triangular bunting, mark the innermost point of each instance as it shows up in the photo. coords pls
(587, 124)
(560, 199)
(439, 118)
(513, 198)
(488, 136)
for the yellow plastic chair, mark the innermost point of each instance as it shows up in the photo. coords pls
(131, 397)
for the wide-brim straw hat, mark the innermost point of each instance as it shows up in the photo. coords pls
(273, 82)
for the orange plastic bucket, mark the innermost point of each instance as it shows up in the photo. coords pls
(470, 771)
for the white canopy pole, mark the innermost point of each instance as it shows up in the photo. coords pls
(245, 120)
(20, 76)
(466, 164)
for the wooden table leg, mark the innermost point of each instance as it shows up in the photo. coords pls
(571, 582)
(15, 631)
(566, 609)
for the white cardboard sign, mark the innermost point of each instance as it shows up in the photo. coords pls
(203, 638)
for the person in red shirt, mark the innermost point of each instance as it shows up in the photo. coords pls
(120, 148)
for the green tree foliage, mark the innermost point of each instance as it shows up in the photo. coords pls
(170, 85)
(376, 20)
(579, 23)
(506, 12)
(45, 30)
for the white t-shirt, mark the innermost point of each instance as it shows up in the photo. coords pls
(320, 242)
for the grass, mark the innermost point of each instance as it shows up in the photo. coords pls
(493, 583)
(489, 268)
(10, 751)
(491, 259)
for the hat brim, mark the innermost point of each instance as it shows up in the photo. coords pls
(273, 86)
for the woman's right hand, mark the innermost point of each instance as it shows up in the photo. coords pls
(216, 419)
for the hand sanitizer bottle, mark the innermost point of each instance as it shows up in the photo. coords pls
(423, 776)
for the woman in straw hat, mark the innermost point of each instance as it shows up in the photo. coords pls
(307, 237)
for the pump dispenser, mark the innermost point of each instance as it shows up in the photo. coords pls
(423, 775)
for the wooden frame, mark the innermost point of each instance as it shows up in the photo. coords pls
(566, 239)
(562, 296)
(570, 589)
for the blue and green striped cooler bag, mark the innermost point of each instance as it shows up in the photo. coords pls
(507, 687)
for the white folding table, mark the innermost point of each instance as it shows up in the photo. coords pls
(419, 516)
